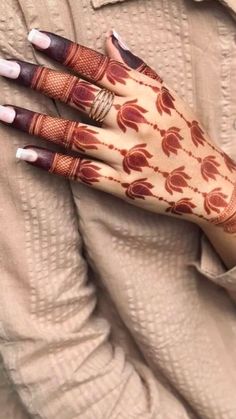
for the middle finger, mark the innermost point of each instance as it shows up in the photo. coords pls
(72, 90)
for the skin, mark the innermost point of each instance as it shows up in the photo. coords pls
(150, 150)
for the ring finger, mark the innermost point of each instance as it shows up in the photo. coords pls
(94, 141)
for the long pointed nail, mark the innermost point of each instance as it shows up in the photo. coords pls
(36, 156)
(39, 39)
(118, 38)
(7, 114)
(26, 154)
(9, 69)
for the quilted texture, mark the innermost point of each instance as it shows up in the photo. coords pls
(108, 311)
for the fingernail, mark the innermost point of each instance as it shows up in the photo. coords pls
(9, 69)
(26, 154)
(118, 38)
(127, 56)
(39, 39)
(7, 114)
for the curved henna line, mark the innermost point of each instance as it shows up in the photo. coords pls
(228, 213)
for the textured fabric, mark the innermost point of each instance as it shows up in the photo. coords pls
(108, 311)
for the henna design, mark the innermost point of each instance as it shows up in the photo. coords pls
(231, 165)
(176, 180)
(86, 61)
(130, 114)
(196, 133)
(183, 206)
(84, 138)
(74, 169)
(83, 95)
(148, 71)
(87, 172)
(165, 101)
(135, 158)
(171, 140)
(214, 200)
(54, 84)
(227, 219)
(209, 168)
(138, 189)
(133, 61)
(117, 72)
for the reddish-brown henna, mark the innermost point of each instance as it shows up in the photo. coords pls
(209, 167)
(130, 114)
(165, 101)
(136, 158)
(182, 206)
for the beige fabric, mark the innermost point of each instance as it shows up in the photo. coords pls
(144, 331)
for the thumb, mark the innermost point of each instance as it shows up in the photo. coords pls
(119, 51)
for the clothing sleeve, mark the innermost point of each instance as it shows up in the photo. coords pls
(211, 266)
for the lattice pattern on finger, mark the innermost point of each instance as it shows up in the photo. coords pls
(87, 62)
(53, 129)
(53, 83)
(148, 71)
(65, 166)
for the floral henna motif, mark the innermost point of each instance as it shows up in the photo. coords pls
(176, 180)
(130, 115)
(196, 133)
(209, 168)
(165, 101)
(84, 138)
(135, 158)
(183, 206)
(87, 172)
(230, 163)
(138, 189)
(83, 95)
(227, 219)
(171, 140)
(117, 72)
(214, 200)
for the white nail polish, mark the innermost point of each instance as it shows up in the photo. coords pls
(122, 44)
(26, 154)
(9, 69)
(39, 39)
(7, 114)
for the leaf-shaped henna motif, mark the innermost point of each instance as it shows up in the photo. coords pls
(83, 95)
(214, 200)
(84, 139)
(196, 133)
(138, 189)
(176, 180)
(165, 101)
(136, 158)
(87, 172)
(209, 168)
(183, 206)
(130, 115)
(230, 163)
(117, 72)
(171, 140)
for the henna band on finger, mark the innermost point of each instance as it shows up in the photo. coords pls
(101, 105)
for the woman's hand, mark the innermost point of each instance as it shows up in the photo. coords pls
(150, 149)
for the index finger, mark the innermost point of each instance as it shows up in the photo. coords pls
(89, 64)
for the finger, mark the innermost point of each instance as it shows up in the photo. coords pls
(118, 50)
(94, 141)
(89, 64)
(90, 172)
(78, 93)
